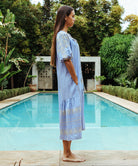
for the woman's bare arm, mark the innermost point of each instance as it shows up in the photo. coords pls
(71, 70)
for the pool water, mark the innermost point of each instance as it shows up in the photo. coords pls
(33, 124)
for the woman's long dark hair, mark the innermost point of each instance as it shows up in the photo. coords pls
(62, 12)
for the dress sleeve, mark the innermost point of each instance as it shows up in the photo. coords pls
(63, 47)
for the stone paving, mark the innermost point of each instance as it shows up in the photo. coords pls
(9, 101)
(54, 158)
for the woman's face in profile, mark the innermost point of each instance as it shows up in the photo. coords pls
(70, 19)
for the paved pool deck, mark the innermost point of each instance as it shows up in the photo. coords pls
(12, 100)
(54, 158)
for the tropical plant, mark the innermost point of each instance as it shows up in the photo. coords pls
(134, 83)
(124, 81)
(5, 67)
(30, 78)
(40, 65)
(100, 78)
(31, 65)
(7, 28)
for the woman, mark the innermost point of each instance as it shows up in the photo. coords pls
(65, 55)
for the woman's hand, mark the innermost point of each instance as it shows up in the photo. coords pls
(71, 70)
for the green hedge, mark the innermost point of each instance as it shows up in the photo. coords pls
(7, 93)
(123, 92)
(114, 55)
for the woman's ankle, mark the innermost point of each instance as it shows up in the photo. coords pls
(67, 153)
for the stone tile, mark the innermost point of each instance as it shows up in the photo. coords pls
(10, 101)
(54, 158)
(29, 158)
(104, 158)
(122, 102)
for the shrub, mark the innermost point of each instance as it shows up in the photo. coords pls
(123, 92)
(119, 91)
(114, 55)
(116, 89)
(14, 91)
(111, 90)
(130, 93)
(135, 96)
(104, 88)
(3, 95)
(7, 93)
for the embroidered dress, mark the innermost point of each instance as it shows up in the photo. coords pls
(70, 95)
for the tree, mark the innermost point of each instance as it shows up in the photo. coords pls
(28, 17)
(132, 69)
(95, 20)
(115, 19)
(79, 32)
(103, 20)
(7, 29)
(73, 3)
(47, 23)
(114, 2)
(133, 24)
(114, 55)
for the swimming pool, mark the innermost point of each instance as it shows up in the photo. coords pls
(33, 124)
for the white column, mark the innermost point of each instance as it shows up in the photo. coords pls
(35, 72)
(97, 69)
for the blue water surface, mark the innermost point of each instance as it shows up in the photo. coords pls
(33, 124)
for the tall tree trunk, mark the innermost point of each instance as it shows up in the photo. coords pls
(27, 74)
(6, 49)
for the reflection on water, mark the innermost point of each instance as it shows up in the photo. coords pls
(37, 111)
(100, 112)
(42, 109)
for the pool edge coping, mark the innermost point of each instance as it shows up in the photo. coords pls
(7, 102)
(117, 100)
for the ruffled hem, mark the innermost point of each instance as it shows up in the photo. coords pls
(70, 103)
(72, 118)
(74, 137)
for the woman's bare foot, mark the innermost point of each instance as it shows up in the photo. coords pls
(72, 158)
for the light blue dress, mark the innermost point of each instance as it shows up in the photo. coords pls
(70, 95)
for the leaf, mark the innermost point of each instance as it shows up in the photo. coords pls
(1, 17)
(10, 18)
(1, 79)
(2, 53)
(135, 81)
(13, 73)
(1, 67)
(4, 69)
(9, 55)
